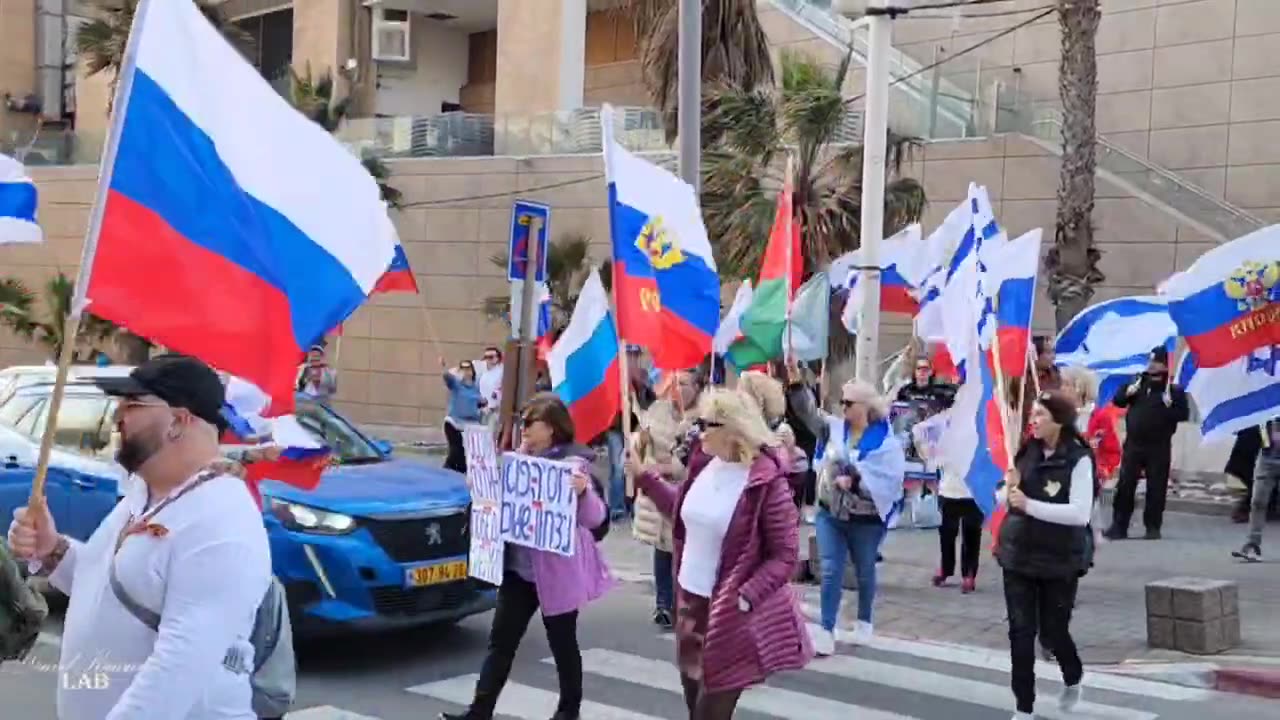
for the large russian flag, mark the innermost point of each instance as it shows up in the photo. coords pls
(584, 363)
(238, 236)
(1227, 304)
(665, 279)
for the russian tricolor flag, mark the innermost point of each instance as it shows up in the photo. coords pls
(901, 263)
(18, 203)
(302, 457)
(399, 276)
(1227, 304)
(584, 363)
(1012, 268)
(237, 236)
(665, 278)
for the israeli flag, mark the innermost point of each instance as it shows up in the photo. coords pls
(1114, 339)
(17, 205)
(1243, 393)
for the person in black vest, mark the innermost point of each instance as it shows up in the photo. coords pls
(1045, 547)
(1156, 406)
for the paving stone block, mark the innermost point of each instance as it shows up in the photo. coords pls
(1230, 631)
(1160, 599)
(1230, 598)
(1160, 633)
(1198, 638)
(1198, 600)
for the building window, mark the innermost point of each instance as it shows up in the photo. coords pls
(272, 35)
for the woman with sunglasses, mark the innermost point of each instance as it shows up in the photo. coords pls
(559, 585)
(860, 464)
(1045, 546)
(735, 547)
(465, 405)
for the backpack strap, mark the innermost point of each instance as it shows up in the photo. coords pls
(144, 615)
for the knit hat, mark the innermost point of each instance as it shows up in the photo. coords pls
(1061, 408)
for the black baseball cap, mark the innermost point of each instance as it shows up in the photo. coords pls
(180, 380)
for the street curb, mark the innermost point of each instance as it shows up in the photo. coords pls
(1248, 681)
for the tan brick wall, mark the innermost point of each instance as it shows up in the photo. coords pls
(17, 64)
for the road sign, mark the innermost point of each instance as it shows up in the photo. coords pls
(518, 248)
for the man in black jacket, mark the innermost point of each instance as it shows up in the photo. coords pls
(1156, 406)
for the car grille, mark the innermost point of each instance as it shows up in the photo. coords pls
(391, 600)
(409, 540)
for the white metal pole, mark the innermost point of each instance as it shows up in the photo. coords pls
(875, 128)
(689, 91)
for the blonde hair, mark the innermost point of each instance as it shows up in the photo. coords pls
(740, 415)
(767, 392)
(663, 425)
(1085, 382)
(863, 392)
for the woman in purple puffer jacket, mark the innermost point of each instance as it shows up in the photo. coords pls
(559, 585)
(735, 548)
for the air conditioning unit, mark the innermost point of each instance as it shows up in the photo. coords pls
(391, 40)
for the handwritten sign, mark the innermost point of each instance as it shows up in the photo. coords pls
(539, 506)
(485, 480)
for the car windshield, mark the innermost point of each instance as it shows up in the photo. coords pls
(350, 447)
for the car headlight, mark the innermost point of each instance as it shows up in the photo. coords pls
(304, 518)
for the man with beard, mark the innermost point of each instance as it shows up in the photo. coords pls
(1156, 406)
(188, 544)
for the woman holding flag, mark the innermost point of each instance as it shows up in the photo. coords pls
(860, 465)
(1045, 546)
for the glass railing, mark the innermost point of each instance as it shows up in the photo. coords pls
(927, 105)
(1042, 120)
(55, 147)
(566, 132)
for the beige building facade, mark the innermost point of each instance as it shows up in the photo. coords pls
(1192, 161)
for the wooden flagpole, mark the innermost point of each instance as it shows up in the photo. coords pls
(79, 299)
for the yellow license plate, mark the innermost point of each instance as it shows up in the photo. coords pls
(436, 574)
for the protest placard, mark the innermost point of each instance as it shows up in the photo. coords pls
(539, 506)
(485, 479)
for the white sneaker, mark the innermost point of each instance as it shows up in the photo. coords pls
(824, 641)
(1070, 697)
(862, 633)
(1023, 716)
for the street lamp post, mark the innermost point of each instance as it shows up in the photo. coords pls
(875, 125)
(689, 91)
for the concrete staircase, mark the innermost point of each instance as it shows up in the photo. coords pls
(927, 105)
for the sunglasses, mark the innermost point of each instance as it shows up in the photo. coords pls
(848, 403)
(704, 425)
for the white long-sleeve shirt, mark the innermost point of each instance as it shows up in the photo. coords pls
(1079, 507)
(206, 578)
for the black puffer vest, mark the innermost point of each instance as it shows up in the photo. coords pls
(1035, 547)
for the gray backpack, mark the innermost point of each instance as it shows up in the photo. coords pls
(274, 673)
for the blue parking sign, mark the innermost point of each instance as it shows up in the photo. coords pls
(518, 249)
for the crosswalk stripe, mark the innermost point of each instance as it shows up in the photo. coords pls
(998, 661)
(947, 686)
(518, 700)
(327, 712)
(774, 701)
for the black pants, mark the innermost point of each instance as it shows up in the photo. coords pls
(1039, 606)
(1154, 462)
(708, 706)
(457, 457)
(517, 602)
(960, 517)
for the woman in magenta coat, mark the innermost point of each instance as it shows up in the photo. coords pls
(735, 548)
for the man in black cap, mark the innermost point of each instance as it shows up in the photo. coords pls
(1156, 406)
(186, 555)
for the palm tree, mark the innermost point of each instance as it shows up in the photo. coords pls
(741, 172)
(569, 262)
(19, 313)
(1072, 262)
(101, 42)
(314, 98)
(735, 49)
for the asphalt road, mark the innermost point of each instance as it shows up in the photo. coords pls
(630, 676)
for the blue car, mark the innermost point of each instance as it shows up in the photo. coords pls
(381, 543)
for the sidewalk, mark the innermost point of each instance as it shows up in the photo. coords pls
(1110, 620)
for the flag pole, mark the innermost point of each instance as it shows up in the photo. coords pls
(79, 296)
(1001, 390)
(624, 381)
(791, 260)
